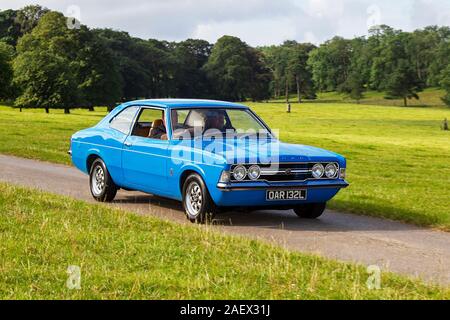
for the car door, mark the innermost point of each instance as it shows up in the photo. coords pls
(144, 158)
(110, 142)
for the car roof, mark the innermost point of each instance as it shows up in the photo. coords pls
(185, 103)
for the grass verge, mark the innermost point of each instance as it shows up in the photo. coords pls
(126, 256)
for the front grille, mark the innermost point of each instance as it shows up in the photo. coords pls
(284, 172)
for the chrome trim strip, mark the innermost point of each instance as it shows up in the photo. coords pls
(227, 187)
(273, 172)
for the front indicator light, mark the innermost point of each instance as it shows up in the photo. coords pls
(225, 177)
(331, 170)
(342, 173)
(239, 173)
(318, 171)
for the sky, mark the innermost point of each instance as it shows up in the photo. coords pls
(257, 22)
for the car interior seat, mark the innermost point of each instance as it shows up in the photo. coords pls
(157, 128)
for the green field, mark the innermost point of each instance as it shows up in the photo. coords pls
(398, 158)
(431, 97)
(125, 256)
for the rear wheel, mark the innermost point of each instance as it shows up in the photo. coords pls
(103, 188)
(310, 210)
(197, 202)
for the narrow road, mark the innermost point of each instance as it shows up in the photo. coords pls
(393, 246)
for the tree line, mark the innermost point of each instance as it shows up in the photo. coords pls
(44, 63)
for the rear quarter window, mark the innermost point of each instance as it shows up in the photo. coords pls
(122, 122)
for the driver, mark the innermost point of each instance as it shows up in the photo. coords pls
(215, 120)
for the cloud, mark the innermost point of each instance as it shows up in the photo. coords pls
(257, 22)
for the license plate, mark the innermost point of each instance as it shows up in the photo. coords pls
(284, 195)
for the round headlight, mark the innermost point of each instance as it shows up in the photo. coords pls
(317, 171)
(254, 172)
(239, 173)
(330, 170)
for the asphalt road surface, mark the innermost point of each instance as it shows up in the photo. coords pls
(393, 246)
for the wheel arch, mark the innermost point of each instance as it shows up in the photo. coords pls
(184, 175)
(90, 160)
(188, 169)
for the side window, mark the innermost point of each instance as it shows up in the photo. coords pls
(150, 124)
(122, 122)
(179, 117)
(150, 115)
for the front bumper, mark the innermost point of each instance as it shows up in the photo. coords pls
(253, 194)
(248, 186)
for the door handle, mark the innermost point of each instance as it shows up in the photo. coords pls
(128, 144)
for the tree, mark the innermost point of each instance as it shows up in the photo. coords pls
(330, 63)
(298, 69)
(15, 23)
(402, 83)
(445, 83)
(397, 74)
(353, 86)
(190, 78)
(276, 60)
(42, 69)
(9, 29)
(261, 77)
(98, 78)
(144, 66)
(28, 17)
(234, 68)
(6, 72)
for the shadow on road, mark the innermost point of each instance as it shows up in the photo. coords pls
(269, 219)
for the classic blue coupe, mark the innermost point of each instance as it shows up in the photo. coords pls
(211, 155)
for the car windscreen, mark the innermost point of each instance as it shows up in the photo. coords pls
(216, 122)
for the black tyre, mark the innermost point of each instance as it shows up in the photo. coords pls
(310, 210)
(103, 188)
(197, 202)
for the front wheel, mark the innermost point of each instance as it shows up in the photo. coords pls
(103, 188)
(197, 202)
(310, 210)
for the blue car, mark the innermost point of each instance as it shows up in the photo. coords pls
(212, 156)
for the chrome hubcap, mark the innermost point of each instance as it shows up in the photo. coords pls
(98, 180)
(194, 198)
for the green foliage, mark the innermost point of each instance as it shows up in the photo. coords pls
(290, 69)
(98, 79)
(190, 78)
(445, 83)
(402, 82)
(57, 67)
(353, 86)
(6, 72)
(235, 70)
(331, 63)
(9, 29)
(43, 69)
(15, 23)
